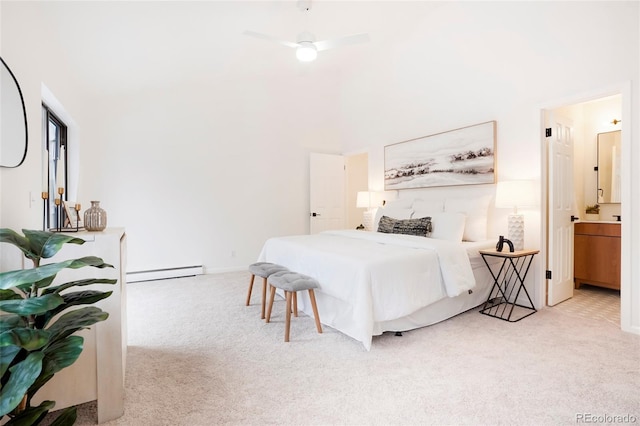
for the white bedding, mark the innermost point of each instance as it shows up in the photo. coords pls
(379, 277)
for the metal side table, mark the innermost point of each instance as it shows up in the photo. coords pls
(508, 283)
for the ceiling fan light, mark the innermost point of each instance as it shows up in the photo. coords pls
(306, 52)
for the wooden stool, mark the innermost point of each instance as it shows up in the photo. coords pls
(291, 283)
(262, 269)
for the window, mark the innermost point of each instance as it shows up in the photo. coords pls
(55, 144)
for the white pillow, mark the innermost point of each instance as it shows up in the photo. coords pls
(427, 206)
(476, 210)
(399, 203)
(395, 213)
(448, 226)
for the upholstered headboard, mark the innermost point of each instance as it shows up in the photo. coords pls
(455, 217)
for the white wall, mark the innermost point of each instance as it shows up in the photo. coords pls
(198, 172)
(209, 169)
(211, 164)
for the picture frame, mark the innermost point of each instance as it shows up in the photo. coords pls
(72, 216)
(463, 156)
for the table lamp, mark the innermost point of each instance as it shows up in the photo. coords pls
(363, 201)
(516, 194)
(369, 200)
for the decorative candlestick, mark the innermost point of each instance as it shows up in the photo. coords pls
(61, 223)
(58, 203)
(45, 204)
(77, 209)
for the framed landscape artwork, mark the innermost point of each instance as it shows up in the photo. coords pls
(464, 156)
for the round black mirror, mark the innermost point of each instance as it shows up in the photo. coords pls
(13, 120)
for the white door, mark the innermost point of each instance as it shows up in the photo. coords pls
(560, 209)
(326, 192)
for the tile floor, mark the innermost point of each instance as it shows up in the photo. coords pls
(593, 302)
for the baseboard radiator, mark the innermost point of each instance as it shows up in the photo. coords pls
(164, 274)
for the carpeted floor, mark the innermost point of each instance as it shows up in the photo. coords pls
(198, 356)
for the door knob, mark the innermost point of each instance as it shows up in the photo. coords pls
(314, 214)
(574, 218)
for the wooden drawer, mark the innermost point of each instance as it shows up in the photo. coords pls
(602, 229)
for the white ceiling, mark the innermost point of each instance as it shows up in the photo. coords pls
(118, 46)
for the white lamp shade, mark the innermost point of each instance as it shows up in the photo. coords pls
(377, 198)
(516, 193)
(363, 200)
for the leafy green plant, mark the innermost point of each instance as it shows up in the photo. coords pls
(36, 334)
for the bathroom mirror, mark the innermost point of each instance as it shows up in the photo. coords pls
(13, 120)
(609, 150)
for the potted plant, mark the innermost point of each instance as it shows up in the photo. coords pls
(34, 346)
(593, 212)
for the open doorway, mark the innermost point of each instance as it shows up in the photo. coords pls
(597, 216)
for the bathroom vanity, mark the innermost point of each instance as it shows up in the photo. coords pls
(597, 254)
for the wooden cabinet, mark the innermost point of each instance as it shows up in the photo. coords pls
(98, 374)
(597, 254)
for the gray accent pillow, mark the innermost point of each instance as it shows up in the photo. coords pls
(420, 227)
(386, 224)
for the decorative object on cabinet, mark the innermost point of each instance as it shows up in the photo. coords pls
(13, 116)
(501, 242)
(514, 194)
(45, 208)
(58, 204)
(592, 212)
(95, 218)
(73, 223)
(596, 248)
(34, 348)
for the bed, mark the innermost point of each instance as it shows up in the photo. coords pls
(373, 282)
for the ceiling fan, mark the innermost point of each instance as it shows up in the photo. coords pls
(306, 46)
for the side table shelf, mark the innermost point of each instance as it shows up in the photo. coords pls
(508, 283)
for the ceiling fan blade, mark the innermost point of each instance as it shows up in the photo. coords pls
(270, 38)
(342, 41)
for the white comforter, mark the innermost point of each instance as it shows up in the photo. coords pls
(380, 276)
